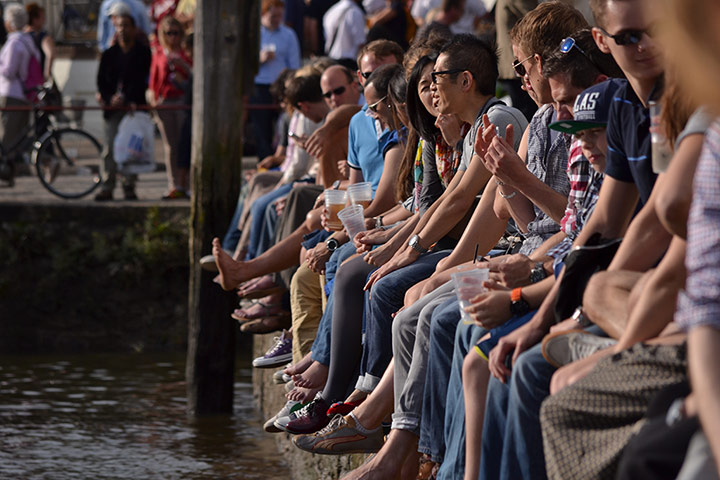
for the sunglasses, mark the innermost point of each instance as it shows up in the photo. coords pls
(434, 75)
(569, 43)
(172, 33)
(626, 37)
(337, 91)
(519, 67)
(373, 107)
(365, 75)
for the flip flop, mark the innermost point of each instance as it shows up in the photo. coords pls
(266, 324)
(268, 310)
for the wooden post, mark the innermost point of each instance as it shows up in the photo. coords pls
(226, 46)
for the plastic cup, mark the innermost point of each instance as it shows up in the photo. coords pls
(468, 285)
(353, 219)
(661, 151)
(360, 194)
(335, 201)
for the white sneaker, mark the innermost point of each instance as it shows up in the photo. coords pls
(269, 426)
(208, 263)
(561, 348)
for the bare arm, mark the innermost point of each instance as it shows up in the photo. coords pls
(48, 47)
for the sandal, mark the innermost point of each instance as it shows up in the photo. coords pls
(267, 310)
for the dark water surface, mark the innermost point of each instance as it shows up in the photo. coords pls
(122, 416)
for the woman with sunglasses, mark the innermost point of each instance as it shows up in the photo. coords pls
(168, 58)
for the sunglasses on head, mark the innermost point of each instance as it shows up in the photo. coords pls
(519, 67)
(626, 37)
(336, 91)
(373, 107)
(569, 43)
(172, 33)
(434, 75)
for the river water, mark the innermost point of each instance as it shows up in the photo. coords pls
(122, 416)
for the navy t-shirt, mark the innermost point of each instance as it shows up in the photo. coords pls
(629, 146)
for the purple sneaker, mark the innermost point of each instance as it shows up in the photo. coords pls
(279, 354)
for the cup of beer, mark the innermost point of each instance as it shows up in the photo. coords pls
(360, 194)
(335, 201)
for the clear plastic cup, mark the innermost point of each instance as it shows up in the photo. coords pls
(468, 285)
(360, 194)
(661, 151)
(335, 201)
(353, 219)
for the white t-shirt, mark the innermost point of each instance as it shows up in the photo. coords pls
(344, 26)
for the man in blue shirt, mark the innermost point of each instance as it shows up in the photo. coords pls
(279, 49)
(106, 30)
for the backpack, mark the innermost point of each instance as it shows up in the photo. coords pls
(34, 75)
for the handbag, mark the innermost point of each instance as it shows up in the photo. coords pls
(580, 264)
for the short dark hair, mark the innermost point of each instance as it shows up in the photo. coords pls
(277, 89)
(542, 29)
(581, 70)
(34, 11)
(420, 118)
(380, 78)
(380, 49)
(305, 88)
(468, 52)
(448, 5)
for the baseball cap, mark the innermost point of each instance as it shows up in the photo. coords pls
(592, 108)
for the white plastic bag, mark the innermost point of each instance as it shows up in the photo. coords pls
(134, 145)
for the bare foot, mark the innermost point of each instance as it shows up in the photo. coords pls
(356, 397)
(302, 395)
(231, 272)
(411, 466)
(299, 367)
(314, 377)
(390, 460)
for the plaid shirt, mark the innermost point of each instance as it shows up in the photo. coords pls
(700, 303)
(578, 170)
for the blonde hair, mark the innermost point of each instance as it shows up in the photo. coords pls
(167, 22)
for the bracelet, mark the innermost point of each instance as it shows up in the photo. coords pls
(379, 221)
(507, 197)
(500, 183)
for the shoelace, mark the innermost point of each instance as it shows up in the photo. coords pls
(336, 422)
(279, 343)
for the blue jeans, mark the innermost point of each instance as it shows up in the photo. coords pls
(321, 345)
(466, 336)
(512, 445)
(258, 217)
(232, 236)
(386, 297)
(443, 324)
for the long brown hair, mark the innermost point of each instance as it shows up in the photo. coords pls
(677, 105)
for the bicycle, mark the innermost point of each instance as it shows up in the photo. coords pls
(67, 160)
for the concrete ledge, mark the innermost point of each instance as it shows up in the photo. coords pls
(270, 398)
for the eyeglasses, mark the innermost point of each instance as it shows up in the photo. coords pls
(172, 33)
(338, 91)
(519, 67)
(373, 107)
(626, 37)
(569, 43)
(434, 75)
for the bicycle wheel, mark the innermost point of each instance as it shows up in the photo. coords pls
(68, 162)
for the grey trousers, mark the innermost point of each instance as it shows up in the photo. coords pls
(109, 167)
(410, 336)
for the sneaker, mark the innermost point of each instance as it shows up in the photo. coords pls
(308, 419)
(561, 348)
(293, 413)
(208, 263)
(280, 377)
(342, 435)
(279, 354)
(289, 407)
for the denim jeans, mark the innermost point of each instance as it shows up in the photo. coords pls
(466, 336)
(232, 236)
(512, 444)
(258, 217)
(411, 338)
(321, 345)
(384, 299)
(442, 340)
(267, 233)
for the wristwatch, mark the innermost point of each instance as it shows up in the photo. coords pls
(580, 317)
(518, 306)
(332, 244)
(537, 273)
(414, 243)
